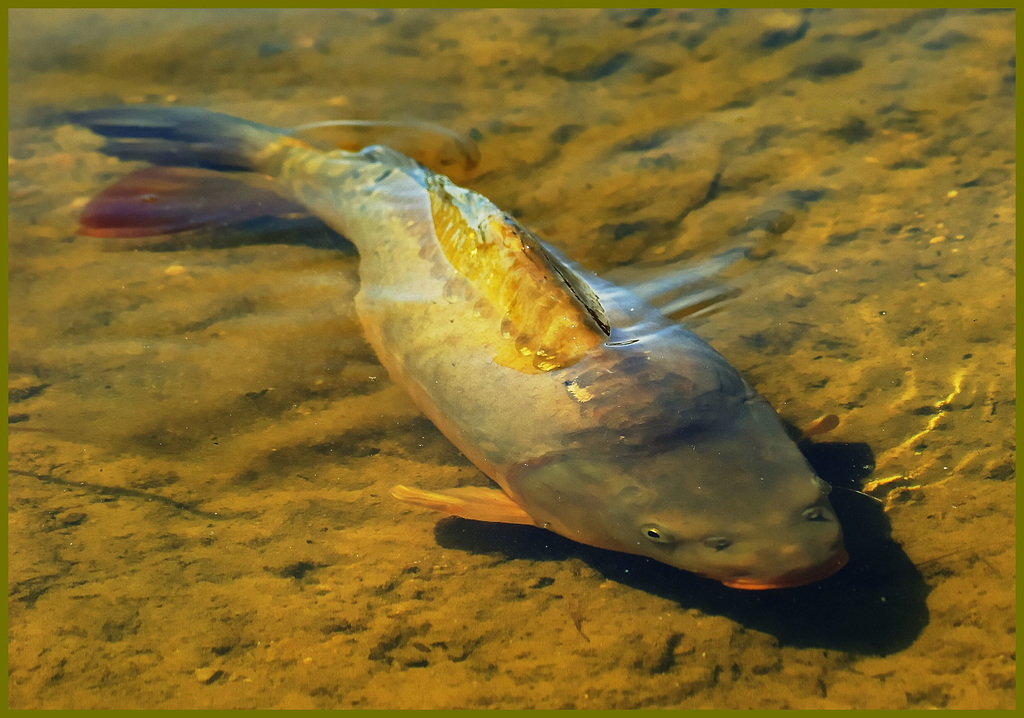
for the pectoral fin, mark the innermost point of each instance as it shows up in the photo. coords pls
(469, 502)
(821, 425)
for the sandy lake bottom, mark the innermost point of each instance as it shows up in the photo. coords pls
(201, 441)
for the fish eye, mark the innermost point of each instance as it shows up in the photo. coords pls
(718, 543)
(656, 533)
(815, 513)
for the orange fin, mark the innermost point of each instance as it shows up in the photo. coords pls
(821, 425)
(469, 502)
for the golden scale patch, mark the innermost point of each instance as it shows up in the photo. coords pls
(550, 317)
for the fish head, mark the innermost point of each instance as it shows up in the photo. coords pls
(733, 500)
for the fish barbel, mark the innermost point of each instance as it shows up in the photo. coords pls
(597, 417)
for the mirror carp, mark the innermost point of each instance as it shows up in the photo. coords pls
(598, 418)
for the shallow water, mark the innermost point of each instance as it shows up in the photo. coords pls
(202, 443)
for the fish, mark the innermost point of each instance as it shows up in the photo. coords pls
(594, 415)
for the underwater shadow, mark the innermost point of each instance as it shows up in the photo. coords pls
(875, 605)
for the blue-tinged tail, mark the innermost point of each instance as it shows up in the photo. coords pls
(182, 195)
(181, 137)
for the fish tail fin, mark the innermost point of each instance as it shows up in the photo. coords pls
(181, 193)
(188, 137)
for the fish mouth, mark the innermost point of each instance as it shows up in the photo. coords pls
(794, 578)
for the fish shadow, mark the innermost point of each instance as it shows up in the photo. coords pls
(875, 605)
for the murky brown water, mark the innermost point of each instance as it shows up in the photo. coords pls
(201, 441)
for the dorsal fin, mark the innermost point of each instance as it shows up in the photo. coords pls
(551, 316)
(466, 151)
